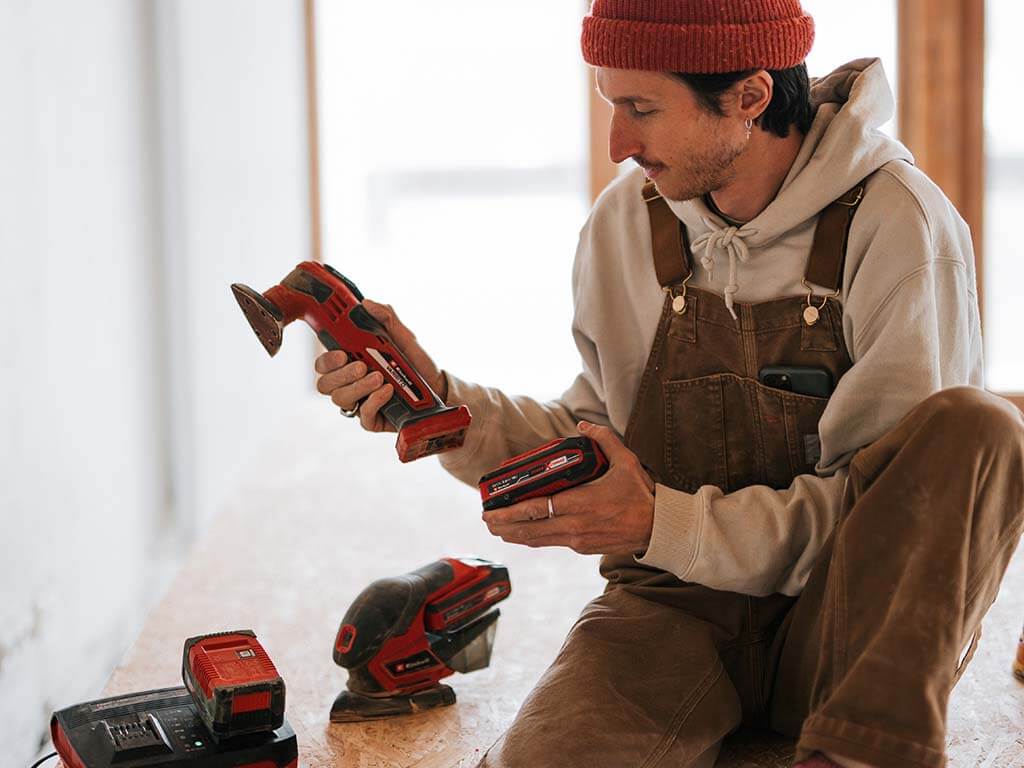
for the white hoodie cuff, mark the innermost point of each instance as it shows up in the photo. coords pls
(461, 393)
(676, 531)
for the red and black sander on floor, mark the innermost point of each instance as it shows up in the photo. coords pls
(402, 635)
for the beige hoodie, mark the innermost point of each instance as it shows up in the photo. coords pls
(910, 323)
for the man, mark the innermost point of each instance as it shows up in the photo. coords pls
(813, 564)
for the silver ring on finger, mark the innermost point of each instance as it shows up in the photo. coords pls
(551, 508)
(353, 413)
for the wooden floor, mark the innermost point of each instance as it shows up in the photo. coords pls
(328, 510)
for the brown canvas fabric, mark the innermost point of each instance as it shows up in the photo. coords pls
(657, 671)
(932, 514)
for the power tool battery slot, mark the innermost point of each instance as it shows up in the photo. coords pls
(483, 598)
(137, 735)
(460, 607)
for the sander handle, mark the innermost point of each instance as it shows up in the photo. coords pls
(396, 411)
(421, 431)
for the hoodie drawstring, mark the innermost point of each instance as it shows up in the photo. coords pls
(730, 240)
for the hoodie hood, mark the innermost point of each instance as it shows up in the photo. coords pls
(843, 146)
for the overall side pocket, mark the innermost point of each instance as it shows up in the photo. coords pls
(695, 433)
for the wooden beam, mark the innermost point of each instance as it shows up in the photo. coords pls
(313, 132)
(941, 99)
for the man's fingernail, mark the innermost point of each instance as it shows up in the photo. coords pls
(583, 426)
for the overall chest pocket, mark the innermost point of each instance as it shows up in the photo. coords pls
(731, 431)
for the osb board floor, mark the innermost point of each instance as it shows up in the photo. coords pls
(326, 510)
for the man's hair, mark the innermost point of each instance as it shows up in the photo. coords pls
(790, 104)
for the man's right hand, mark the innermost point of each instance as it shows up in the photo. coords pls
(348, 383)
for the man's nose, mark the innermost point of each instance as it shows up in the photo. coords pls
(622, 143)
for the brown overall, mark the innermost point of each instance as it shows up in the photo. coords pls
(657, 671)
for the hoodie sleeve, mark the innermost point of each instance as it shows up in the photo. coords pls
(504, 426)
(755, 541)
(911, 324)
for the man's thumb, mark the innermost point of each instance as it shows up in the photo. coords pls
(405, 340)
(606, 438)
(380, 312)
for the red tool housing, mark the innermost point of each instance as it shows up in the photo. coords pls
(331, 305)
(544, 471)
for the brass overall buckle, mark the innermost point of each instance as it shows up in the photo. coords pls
(811, 312)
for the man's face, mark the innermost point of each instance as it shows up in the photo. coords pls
(658, 122)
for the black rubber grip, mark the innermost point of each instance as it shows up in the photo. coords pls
(364, 320)
(397, 411)
(300, 280)
(328, 341)
(348, 283)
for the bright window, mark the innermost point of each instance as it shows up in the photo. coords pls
(842, 36)
(454, 176)
(454, 168)
(1004, 200)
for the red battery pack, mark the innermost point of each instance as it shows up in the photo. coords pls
(544, 471)
(236, 688)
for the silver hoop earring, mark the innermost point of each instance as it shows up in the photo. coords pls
(749, 125)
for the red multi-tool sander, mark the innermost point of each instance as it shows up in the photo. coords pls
(402, 635)
(544, 471)
(229, 715)
(332, 306)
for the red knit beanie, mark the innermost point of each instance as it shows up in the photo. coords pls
(697, 36)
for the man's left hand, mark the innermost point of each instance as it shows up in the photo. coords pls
(611, 515)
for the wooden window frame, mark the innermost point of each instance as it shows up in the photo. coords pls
(313, 130)
(941, 52)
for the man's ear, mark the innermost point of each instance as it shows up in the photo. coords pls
(756, 94)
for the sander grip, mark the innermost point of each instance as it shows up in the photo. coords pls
(420, 432)
(395, 410)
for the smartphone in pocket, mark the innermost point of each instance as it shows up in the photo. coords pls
(816, 382)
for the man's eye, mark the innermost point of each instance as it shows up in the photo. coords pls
(637, 113)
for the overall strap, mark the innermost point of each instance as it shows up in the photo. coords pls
(668, 237)
(828, 252)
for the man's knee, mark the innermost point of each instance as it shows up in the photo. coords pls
(985, 433)
(635, 679)
(971, 418)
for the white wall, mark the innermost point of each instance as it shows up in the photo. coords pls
(150, 154)
(82, 494)
(233, 115)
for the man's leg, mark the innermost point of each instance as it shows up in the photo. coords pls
(931, 515)
(637, 683)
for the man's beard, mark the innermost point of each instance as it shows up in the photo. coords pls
(702, 174)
